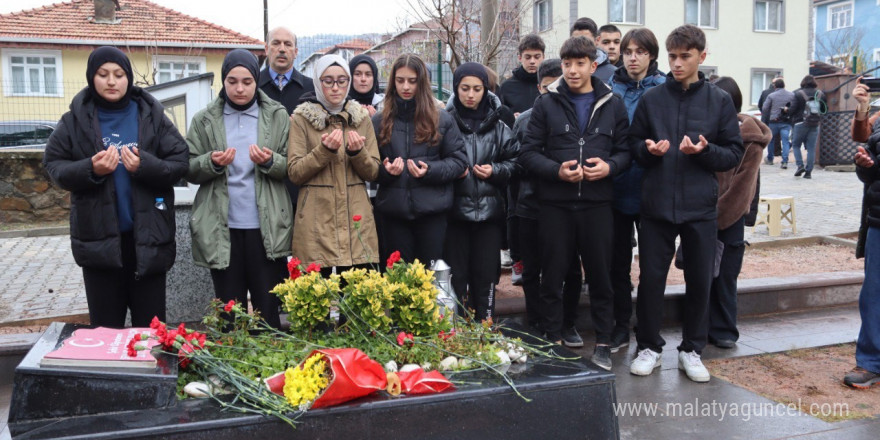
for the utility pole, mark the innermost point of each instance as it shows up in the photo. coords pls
(266, 20)
(488, 33)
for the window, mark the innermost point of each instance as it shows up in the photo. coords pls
(169, 67)
(839, 60)
(626, 11)
(703, 13)
(708, 70)
(769, 15)
(840, 15)
(761, 80)
(32, 73)
(543, 15)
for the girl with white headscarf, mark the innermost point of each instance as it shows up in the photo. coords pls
(332, 153)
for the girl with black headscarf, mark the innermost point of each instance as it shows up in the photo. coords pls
(365, 83)
(119, 156)
(242, 220)
(476, 222)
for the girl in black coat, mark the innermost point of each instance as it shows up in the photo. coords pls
(476, 222)
(119, 156)
(422, 152)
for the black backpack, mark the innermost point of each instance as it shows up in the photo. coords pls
(814, 107)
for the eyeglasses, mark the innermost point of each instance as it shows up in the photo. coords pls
(341, 82)
(639, 53)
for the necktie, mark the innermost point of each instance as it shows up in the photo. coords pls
(281, 80)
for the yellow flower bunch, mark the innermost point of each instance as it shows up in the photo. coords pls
(303, 384)
(367, 295)
(307, 299)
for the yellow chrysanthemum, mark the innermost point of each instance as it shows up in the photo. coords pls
(303, 384)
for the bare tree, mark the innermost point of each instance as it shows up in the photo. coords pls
(459, 25)
(841, 46)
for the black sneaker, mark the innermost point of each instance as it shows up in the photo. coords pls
(571, 338)
(808, 175)
(784, 166)
(800, 170)
(724, 343)
(861, 378)
(602, 357)
(619, 339)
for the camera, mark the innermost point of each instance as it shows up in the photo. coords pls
(872, 83)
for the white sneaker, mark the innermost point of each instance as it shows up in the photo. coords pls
(506, 261)
(690, 362)
(645, 363)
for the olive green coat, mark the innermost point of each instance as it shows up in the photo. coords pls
(210, 211)
(332, 187)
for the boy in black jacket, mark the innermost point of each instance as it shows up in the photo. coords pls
(575, 143)
(682, 133)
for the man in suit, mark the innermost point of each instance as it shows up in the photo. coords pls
(281, 81)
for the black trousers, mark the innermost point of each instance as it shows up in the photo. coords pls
(621, 268)
(586, 232)
(112, 292)
(530, 246)
(473, 253)
(250, 271)
(422, 238)
(722, 297)
(656, 249)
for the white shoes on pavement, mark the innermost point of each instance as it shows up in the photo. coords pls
(645, 363)
(690, 362)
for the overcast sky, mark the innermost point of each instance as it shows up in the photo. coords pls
(304, 17)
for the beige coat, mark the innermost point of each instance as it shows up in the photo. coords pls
(332, 187)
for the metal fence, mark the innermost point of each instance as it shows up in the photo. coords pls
(836, 146)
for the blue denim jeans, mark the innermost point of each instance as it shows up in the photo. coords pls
(868, 346)
(806, 136)
(781, 130)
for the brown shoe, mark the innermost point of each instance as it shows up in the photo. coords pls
(861, 378)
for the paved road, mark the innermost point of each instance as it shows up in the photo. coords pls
(39, 278)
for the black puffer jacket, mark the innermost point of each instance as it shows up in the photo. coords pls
(406, 197)
(552, 138)
(526, 201)
(519, 91)
(678, 187)
(478, 200)
(94, 231)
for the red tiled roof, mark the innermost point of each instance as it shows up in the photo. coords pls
(356, 44)
(141, 22)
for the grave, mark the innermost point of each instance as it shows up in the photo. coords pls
(569, 399)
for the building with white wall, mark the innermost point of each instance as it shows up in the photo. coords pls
(749, 40)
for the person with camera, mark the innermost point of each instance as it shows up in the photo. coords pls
(867, 370)
(862, 124)
(776, 112)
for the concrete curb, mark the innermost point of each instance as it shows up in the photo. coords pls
(36, 232)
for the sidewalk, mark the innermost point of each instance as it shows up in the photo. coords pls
(40, 280)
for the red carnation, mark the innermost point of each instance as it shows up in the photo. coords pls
(293, 268)
(394, 258)
(228, 307)
(155, 323)
(357, 218)
(403, 337)
(313, 267)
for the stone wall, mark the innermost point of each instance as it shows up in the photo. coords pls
(26, 193)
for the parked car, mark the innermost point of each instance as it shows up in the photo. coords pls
(25, 135)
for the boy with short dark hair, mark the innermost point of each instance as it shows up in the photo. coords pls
(682, 132)
(520, 90)
(575, 143)
(609, 41)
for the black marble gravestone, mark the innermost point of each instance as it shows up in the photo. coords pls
(568, 399)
